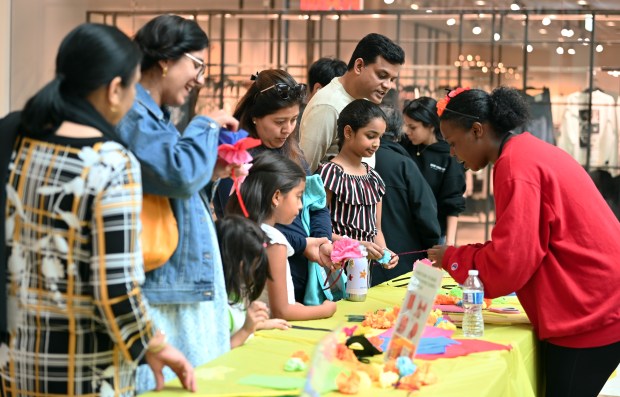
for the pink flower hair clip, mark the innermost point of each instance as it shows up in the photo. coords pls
(441, 105)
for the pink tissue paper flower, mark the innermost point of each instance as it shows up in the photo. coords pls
(345, 249)
(237, 153)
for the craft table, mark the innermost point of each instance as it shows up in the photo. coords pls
(492, 373)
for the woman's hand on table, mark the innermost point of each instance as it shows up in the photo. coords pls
(274, 323)
(435, 254)
(160, 354)
(257, 313)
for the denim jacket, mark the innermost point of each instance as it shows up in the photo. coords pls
(177, 166)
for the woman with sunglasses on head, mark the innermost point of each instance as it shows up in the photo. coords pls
(188, 293)
(269, 111)
(555, 241)
(431, 153)
(78, 320)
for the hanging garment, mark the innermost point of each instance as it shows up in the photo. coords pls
(540, 123)
(603, 142)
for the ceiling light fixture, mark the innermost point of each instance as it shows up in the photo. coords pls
(476, 29)
(546, 21)
(388, 1)
(480, 2)
(497, 36)
(599, 48)
(530, 48)
(451, 22)
(582, 3)
(567, 31)
(571, 51)
(542, 31)
(560, 50)
(414, 6)
(515, 6)
(588, 22)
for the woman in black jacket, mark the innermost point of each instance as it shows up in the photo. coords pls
(409, 212)
(431, 153)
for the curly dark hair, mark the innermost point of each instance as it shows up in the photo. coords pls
(504, 109)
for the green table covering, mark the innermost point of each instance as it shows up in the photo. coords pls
(247, 370)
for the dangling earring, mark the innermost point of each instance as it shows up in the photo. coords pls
(164, 71)
(113, 109)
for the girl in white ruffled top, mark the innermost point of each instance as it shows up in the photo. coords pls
(272, 194)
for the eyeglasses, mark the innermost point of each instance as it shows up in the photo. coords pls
(198, 64)
(286, 91)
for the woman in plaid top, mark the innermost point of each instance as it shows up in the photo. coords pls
(77, 321)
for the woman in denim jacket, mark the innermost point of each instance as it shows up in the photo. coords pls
(187, 294)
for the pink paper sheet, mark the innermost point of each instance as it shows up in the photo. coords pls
(467, 346)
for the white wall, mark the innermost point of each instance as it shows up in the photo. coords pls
(38, 27)
(5, 55)
(31, 31)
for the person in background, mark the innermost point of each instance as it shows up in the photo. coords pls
(354, 190)
(431, 154)
(246, 270)
(272, 194)
(372, 69)
(408, 209)
(268, 111)
(78, 320)
(187, 294)
(555, 241)
(322, 72)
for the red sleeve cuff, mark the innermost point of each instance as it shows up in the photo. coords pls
(458, 270)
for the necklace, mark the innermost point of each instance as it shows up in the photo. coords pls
(418, 151)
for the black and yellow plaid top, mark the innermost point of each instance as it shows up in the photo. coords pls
(77, 319)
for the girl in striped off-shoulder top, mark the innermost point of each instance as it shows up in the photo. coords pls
(353, 188)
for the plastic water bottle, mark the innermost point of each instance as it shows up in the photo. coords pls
(473, 297)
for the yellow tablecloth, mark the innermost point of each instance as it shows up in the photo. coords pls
(493, 374)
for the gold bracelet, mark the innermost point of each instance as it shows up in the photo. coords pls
(158, 347)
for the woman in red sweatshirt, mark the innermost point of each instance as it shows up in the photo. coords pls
(556, 242)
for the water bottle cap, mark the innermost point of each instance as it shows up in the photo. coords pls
(473, 272)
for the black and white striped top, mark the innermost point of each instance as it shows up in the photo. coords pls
(354, 200)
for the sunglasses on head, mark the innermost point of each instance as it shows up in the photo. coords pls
(286, 91)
